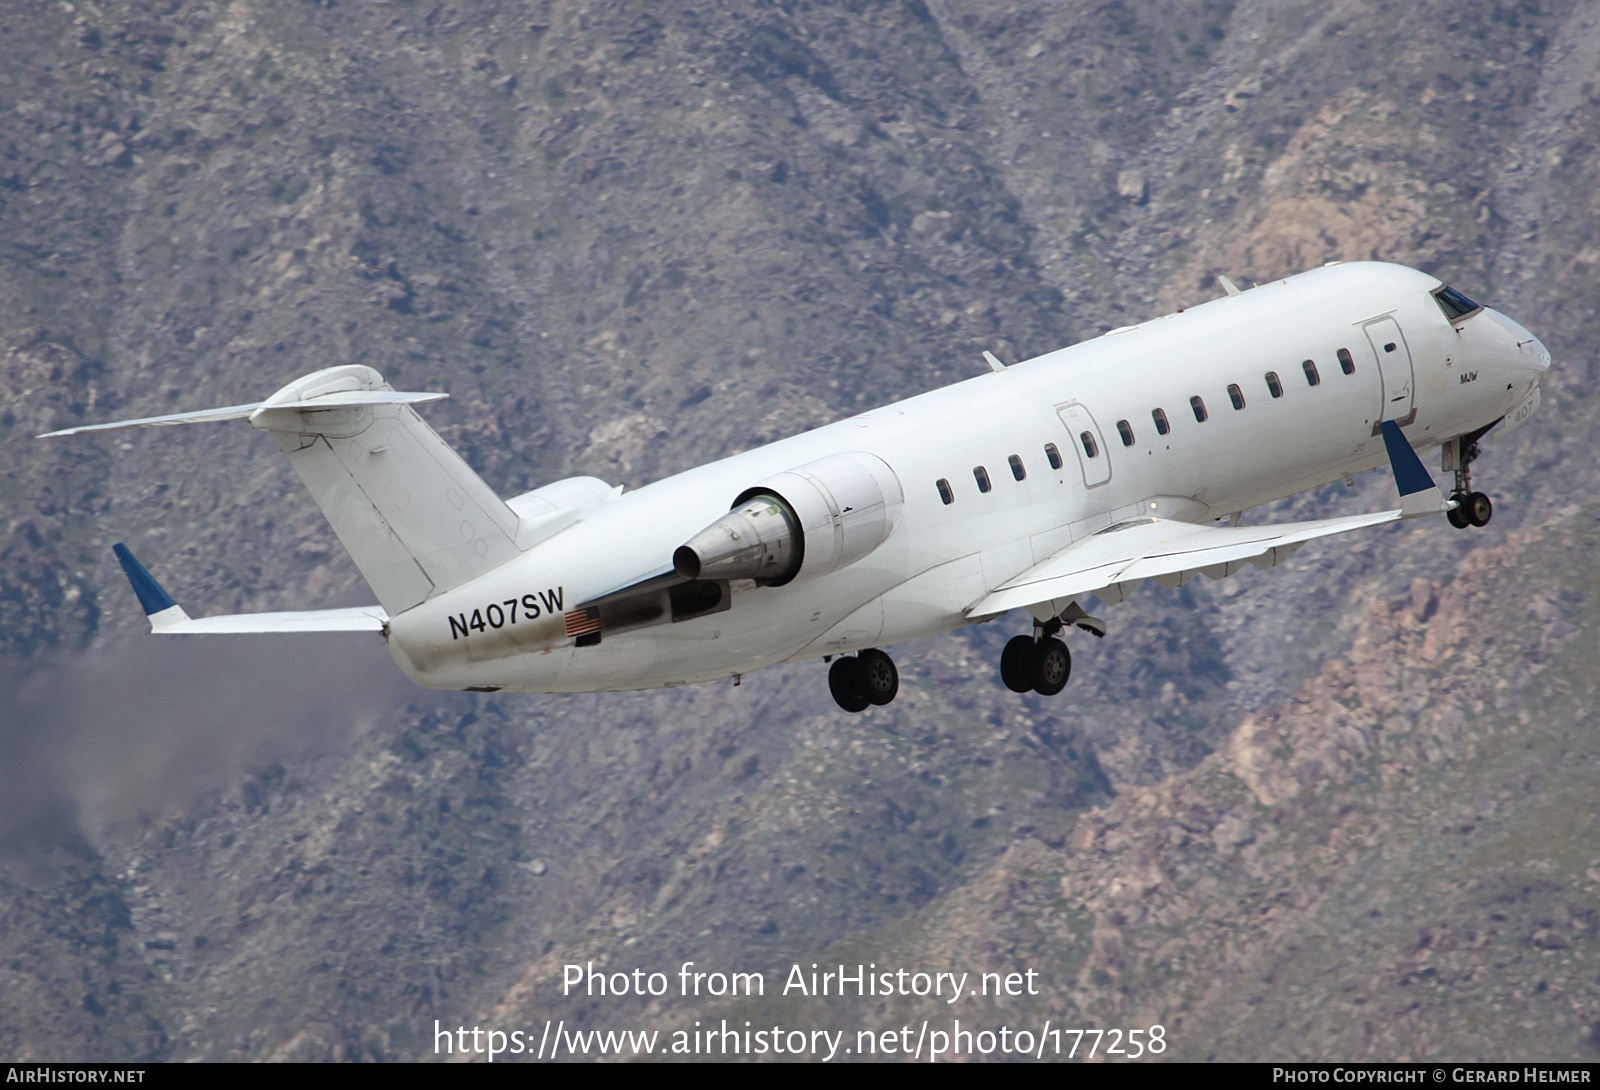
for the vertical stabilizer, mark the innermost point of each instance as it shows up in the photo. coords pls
(413, 515)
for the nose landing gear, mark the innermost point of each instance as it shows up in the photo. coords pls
(859, 681)
(1472, 508)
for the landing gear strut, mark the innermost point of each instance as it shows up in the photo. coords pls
(1039, 663)
(1472, 508)
(859, 681)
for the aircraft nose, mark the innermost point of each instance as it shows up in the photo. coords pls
(1541, 355)
(1533, 357)
(1530, 354)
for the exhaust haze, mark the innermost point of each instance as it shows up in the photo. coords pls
(149, 725)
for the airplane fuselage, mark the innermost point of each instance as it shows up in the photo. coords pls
(998, 472)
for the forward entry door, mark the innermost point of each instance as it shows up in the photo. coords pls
(1093, 457)
(1394, 365)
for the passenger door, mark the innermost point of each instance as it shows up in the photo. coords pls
(1084, 434)
(1394, 365)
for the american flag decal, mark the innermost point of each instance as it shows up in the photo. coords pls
(581, 622)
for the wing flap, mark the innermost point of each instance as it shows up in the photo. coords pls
(1157, 548)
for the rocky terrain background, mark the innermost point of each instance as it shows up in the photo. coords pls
(1345, 808)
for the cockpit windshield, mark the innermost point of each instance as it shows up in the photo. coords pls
(1455, 305)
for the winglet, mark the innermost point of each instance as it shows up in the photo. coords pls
(153, 597)
(993, 361)
(1418, 494)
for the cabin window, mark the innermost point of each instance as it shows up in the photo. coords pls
(1274, 387)
(1162, 427)
(1455, 305)
(1016, 467)
(1347, 362)
(1236, 395)
(981, 475)
(1310, 368)
(1197, 403)
(1125, 430)
(1090, 447)
(1052, 455)
(946, 495)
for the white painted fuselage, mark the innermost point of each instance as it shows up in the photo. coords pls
(1439, 381)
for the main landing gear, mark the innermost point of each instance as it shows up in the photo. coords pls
(1041, 663)
(861, 680)
(1030, 665)
(1472, 508)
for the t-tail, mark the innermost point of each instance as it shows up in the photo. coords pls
(413, 515)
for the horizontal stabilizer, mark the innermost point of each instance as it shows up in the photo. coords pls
(1155, 548)
(349, 399)
(204, 416)
(168, 618)
(339, 399)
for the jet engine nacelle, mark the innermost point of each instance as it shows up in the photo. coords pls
(800, 523)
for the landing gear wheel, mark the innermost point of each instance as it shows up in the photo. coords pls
(880, 681)
(1052, 666)
(1016, 663)
(1474, 507)
(846, 684)
(1479, 509)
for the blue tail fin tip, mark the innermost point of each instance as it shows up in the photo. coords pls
(1409, 475)
(152, 596)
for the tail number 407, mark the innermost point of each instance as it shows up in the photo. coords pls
(508, 612)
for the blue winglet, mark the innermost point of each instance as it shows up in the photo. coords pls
(1409, 476)
(152, 597)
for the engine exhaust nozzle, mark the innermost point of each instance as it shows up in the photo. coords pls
(760, 539)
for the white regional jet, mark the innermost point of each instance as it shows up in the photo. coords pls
(1081, 472)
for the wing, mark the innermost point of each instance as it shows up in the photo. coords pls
(1164, 550)
(1113, 562)
(168, 618)
(355, 619)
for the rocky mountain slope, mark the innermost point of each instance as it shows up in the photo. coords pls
(1398, 862)
(628, 239)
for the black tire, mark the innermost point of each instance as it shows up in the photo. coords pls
(844, 682)
(1479, 509)
(1458, 514)
(1016, 664)
(1052, 666)
(879, 678)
